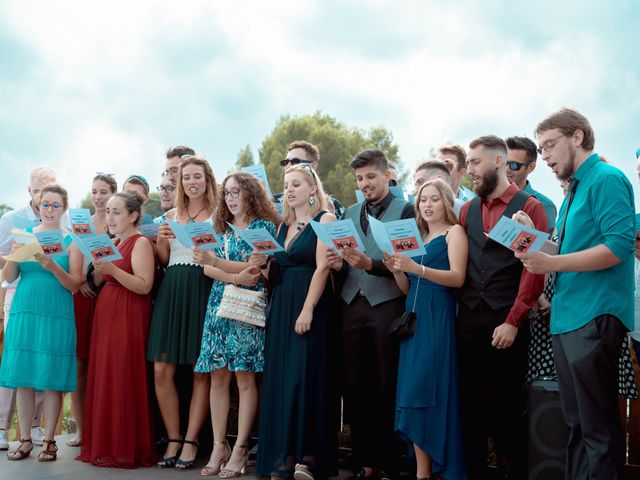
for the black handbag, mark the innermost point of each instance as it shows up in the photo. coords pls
(405, 325)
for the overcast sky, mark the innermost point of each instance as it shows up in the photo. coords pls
(91, 86)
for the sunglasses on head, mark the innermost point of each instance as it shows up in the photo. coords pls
(292, 161)
(515, 166)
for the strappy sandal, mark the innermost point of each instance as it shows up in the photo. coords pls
(49, 453)
(227, 473)
(19, 453)
(187, 464)
(209, 470)
(169, 462)
(75, 442)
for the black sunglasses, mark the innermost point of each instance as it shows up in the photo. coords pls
(292, 161)
(515, 166)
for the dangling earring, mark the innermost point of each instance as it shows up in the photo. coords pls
(312, 200)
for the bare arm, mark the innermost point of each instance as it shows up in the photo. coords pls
(318, 282)
(142, 264)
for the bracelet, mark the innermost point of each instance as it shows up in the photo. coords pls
(235, 282)
(423, 271)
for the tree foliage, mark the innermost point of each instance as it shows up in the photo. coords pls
(4, 209)
(152, 207)
(245, 158)
(337, 143)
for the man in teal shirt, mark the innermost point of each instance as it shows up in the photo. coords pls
(592, 307)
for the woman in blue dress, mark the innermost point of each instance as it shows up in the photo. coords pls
(427, 411)
(40, 343)
(230, 347)
(298, 414)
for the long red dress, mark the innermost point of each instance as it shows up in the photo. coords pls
(118, 430)
(83, 309)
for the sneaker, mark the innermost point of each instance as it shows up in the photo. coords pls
(4, 440)
(37, 435)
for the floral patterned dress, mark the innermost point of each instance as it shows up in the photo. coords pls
(226, 342)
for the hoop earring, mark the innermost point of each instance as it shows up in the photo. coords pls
(312, 200)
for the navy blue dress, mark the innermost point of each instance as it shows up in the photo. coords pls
(427, 403)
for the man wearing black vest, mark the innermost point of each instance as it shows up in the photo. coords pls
(493, 332)
(371, 300)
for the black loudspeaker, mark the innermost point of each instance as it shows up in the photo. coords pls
(548, 434)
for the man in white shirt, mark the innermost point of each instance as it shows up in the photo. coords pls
(38, 178)
(455, 158)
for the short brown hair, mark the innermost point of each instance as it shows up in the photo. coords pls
(313, 154)
(179, 151)
(58, 189)
(457, 150)
(432, 165)
(568, 120)
(491, 142)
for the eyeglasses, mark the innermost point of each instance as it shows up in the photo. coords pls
(233, 193)
(171, 171)
(47, 205)
(516, 166)
(293, 161)
(549, 144)
(166, 188)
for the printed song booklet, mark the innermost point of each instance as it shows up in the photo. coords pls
(198, 234)
(518, 237)
(81, 222)
(52, 243)
(399, 236)
(338, 235)
(258, 239)
(97, 247)
(150, 231)
(260, 172)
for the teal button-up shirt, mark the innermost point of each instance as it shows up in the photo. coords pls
(602, 212)
(547, 203)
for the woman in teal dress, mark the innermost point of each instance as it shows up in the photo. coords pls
(427, 405)
(230, 347)
(298, 414)
(40, 343)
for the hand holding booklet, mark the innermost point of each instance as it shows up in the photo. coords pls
(339, 235)
(198, 234)
(81, 222)
(258, 239)
(399, 236)
(520, 238)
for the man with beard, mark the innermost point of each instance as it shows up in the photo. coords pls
(592, 306)
(370, 301)
(493, 332)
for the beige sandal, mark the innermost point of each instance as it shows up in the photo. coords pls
(227, 473)
(210, 471)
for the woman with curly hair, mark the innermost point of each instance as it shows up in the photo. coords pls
(229, 346)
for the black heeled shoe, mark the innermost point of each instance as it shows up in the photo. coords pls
(187, 464)
(169, 462)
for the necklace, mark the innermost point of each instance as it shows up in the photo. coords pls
(427, 239)
(300, 225)
(193, 219)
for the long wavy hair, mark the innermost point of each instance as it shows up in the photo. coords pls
(447, 199)
(257, 204)
(211, 195)
(312, 178)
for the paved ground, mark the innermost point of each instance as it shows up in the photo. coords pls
(68, 468)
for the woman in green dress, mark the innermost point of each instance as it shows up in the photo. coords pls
(298, 415)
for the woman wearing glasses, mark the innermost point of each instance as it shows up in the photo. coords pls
(40, 342)
(298, 414)
(178, 313)
(230, 347)
(84, 301)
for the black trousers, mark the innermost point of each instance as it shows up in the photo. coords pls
(493, 401)
(587, 364)
(371, 364)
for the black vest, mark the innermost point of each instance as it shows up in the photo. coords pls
(493, 272)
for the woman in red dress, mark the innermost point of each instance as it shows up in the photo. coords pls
(84, 302)
(117, 425)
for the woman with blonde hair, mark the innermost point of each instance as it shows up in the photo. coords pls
(298, 414)
(178, 313)
(427, 412)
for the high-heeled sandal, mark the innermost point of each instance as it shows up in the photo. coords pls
(49, 453)
(169, 462)
(19, 453)
(227, 473)
(211, 470)
(187, 464)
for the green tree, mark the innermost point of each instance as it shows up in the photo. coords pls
(337, 144)
(4, 209)
(87, 203)
(245, 158)
(153, 207)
